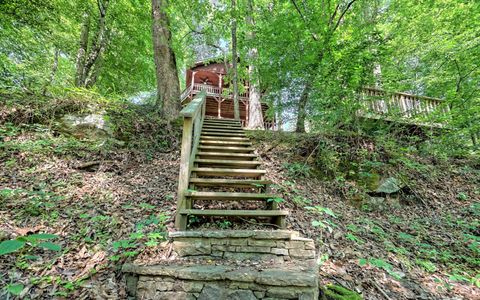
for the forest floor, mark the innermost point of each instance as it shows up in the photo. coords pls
(421, 243)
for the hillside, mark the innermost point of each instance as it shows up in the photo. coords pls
(389, 219)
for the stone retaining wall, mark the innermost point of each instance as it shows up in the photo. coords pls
(280, 245)
(219, 282)
(234, 265)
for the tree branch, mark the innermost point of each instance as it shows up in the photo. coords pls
(343, 14)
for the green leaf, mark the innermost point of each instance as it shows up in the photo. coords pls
(50, 246)
(362, 261)
(10, 246)
(43, 236)
(15, 288)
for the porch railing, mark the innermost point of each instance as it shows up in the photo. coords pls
(379, 103)
(210, 90)
(193, 116)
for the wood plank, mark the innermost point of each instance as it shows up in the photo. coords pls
(223, 127)
(226, 156)
(224, 138)
(229, 163)
(239, 213)
(226, 149)
(207, 142)
(229, 172)
(224, 196)
(253, 183)
(232, 154)
(215, 133)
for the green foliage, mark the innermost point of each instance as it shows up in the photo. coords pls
(336, 292)
(31, 241)
(297, 169)
(380, 263)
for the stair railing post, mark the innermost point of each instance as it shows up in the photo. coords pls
(181, 221)
(193, 115)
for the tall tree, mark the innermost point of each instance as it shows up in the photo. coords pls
(255, 116)
(88, 59)
(236, 104)
(330, 23)
(168, 88)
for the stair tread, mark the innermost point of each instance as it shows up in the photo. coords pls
(228, 196)
(229, 162)
(224, 148)
(223, 128)
(226, 154)
(225, 142)
(241, 213)
(225, 134)
(224, 138)
(227, 181)
(259, 171)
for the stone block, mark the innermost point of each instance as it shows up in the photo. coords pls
(282, 277)
(217, 253)
(192, 248)
(223, 248)
(173, 296)
(131, 284)
(249, 256)
(283, 292)
(238, 242)
(241, 295)
(274, 234)
(295, 245)
(262, 243)
(253, 249)
(259, 295)
(279, 251)
(164, 286)
(281, 244)
(219, 241)
(303, 254)
(188, 286)
(212, 291)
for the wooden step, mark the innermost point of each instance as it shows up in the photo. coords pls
(239, 213)
(229, 172)
(226, 143)
(225, 196)
(222, 128)
(228, 163)
(220, 124)
(224, 138)
(218, 182)
(226, 155)
(214, 133)
(226, 149)
(223, 121)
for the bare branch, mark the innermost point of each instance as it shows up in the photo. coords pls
(343, 14)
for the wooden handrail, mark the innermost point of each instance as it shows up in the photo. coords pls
(193, 116)
(403, 104)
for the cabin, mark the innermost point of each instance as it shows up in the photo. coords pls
(212, 77)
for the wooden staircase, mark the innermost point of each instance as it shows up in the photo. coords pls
(219, 166)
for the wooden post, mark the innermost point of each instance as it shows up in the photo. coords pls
(181, 220)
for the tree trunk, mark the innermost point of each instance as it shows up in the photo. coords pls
(82, 50)
(168, 88)
(98, 45)
(53, 72)
(236, 104)
(302, 103)
(255, 114)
